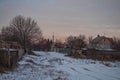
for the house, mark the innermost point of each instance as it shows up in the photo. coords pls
(100, 43)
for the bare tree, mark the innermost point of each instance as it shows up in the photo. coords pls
(58, 43)
(7, 34)
(76, 42)
(25, 31)
(70, 41)
(116, 43)
(90, 38)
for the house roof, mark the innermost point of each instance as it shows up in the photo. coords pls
(99, 38)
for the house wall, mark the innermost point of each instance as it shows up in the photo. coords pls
(103, 46)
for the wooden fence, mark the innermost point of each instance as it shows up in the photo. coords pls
(103, 54)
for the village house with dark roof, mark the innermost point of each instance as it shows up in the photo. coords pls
(100, 43)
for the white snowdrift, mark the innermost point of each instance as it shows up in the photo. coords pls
(56, 66)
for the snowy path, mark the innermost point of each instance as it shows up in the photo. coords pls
(55, 66)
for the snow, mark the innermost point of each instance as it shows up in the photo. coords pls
(8, 49)
(56, 66)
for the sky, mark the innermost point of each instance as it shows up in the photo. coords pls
(66, 17)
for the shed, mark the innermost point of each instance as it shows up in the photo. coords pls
(8, 57)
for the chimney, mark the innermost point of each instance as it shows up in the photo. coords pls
(98, 35)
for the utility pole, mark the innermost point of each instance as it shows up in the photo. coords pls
(1, 40)
(53, 37)
(53, 44)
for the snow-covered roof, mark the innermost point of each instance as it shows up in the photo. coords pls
(8, 49)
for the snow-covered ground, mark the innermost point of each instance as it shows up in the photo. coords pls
(56, 66)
